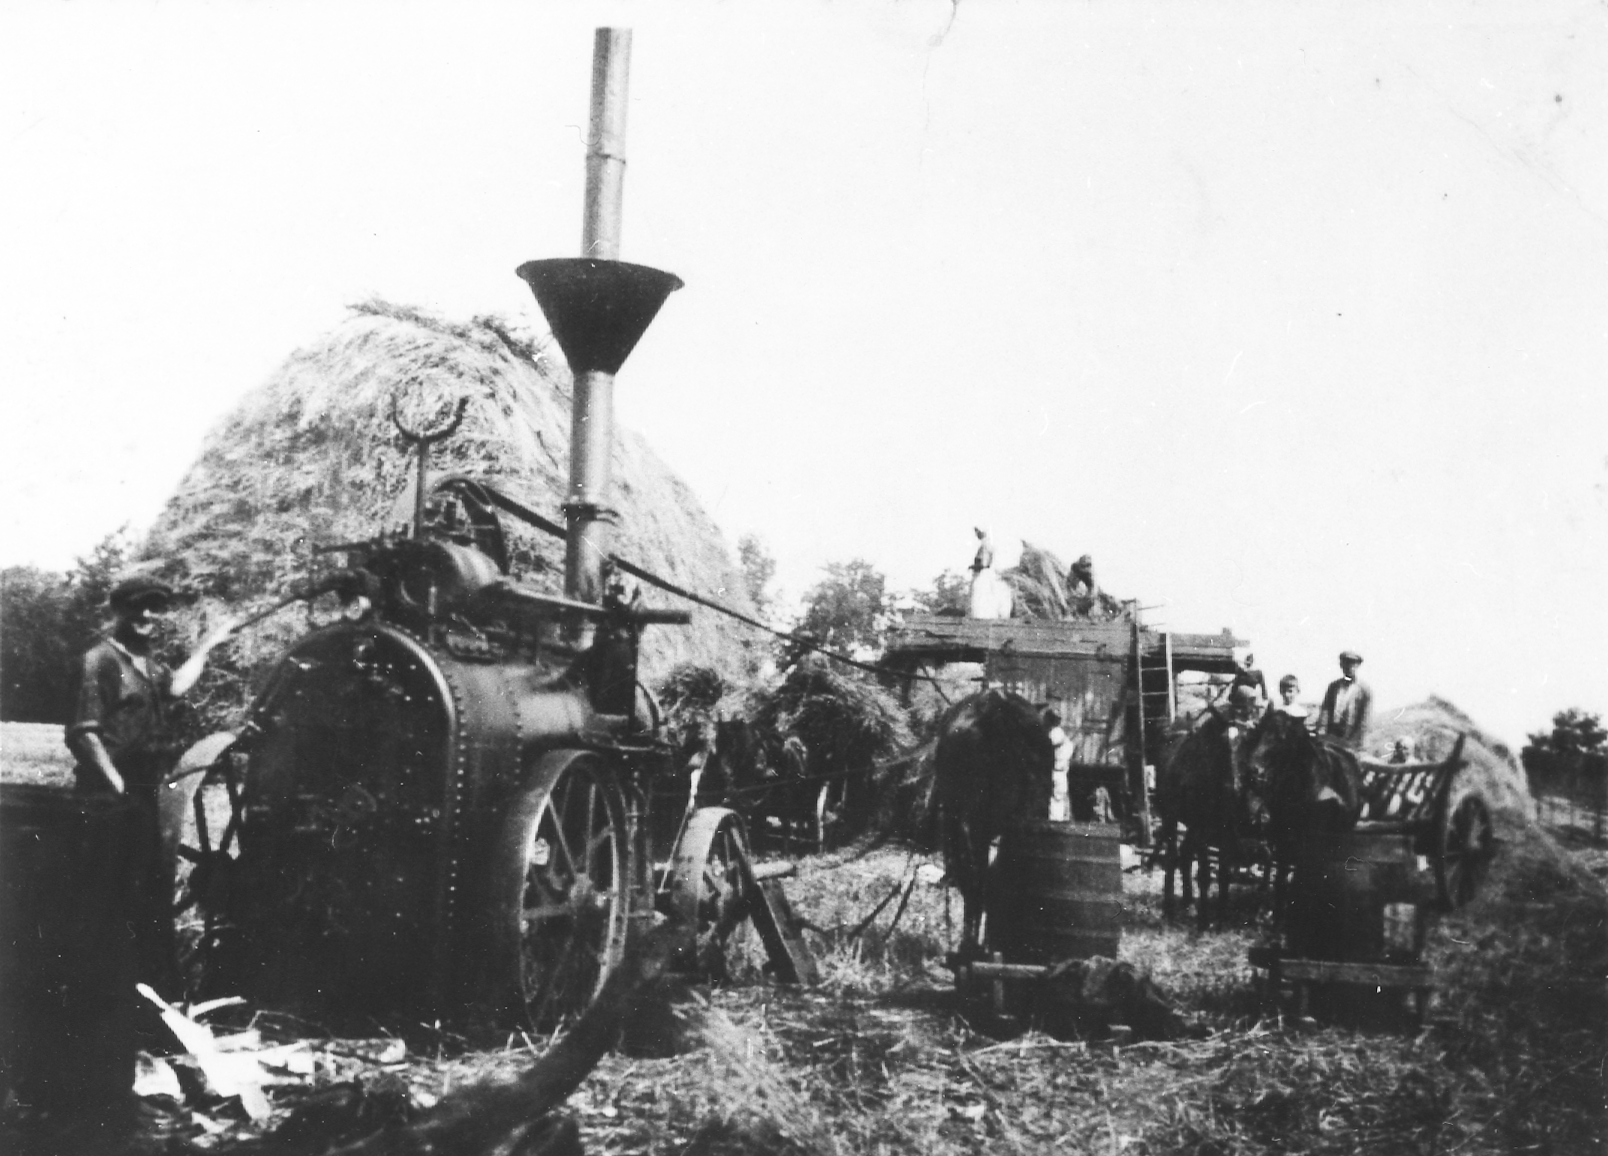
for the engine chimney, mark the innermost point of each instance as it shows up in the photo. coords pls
(598, 308)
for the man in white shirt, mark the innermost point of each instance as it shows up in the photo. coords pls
(1060, 799)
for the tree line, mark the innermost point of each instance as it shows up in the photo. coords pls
(48, 619)
(1569, 761)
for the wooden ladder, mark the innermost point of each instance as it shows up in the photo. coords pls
(1151, 701)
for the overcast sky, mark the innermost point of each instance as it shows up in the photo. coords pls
(1294, 316)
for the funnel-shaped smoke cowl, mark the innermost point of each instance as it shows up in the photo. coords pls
(598, 310)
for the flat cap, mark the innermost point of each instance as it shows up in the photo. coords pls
(141, 588)
(1350, 656)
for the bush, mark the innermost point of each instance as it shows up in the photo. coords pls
(33, 645)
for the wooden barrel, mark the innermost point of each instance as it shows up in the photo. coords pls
(1056, 892)
(68, 866)
(1357, 898)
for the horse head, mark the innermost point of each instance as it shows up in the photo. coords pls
(1311, 783)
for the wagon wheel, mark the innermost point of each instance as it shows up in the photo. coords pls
(710, 892)
(561, 872)
(199, 810)
(827, 812)
(1467, 845)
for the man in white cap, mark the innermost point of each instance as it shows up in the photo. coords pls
(1346, 704)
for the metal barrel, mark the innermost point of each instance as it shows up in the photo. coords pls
(68, 871)
(1357, 898)
(1056, 892)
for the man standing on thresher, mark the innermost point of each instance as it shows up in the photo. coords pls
(990, 597)
(1344, 713)
(121, 736)
(984, 558)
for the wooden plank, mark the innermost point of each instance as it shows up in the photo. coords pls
(1335, 971)
(968, 639)
(985, 970)
(776, 920)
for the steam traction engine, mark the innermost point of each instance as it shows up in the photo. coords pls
(441, 802)
(440, 805)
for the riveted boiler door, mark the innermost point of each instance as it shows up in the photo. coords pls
(347, 810)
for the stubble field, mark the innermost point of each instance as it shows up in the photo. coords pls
(881, 1056)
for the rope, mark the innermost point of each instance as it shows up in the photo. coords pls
(904, 886)
(804, 640)
(908, 756)
(780, 783)
(530, 516)
(903, 903)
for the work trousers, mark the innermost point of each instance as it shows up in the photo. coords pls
(150, 912)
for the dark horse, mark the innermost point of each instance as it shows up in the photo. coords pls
(993, 766)
(1205, 788)
(1314, 784)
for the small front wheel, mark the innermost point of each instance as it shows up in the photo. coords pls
(711, 892)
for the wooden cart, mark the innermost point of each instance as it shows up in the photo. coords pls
(1416, 805)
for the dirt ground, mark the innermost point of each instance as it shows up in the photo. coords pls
(881, 1056)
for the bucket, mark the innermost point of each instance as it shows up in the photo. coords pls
(1056, 893)
(1357, 899)
(67, 955)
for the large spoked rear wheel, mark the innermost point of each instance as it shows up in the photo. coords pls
(1468, 844)
(711, 893)
(200, 820)
(564, 872)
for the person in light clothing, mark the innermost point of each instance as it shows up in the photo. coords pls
(990, 595)
(1060, 798)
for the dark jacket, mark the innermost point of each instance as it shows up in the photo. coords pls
(1345, 722)
(128, 709)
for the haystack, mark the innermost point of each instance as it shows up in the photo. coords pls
(311, 458)
(1432, 726)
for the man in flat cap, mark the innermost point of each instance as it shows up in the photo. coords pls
(121, 737)
(1344, 713)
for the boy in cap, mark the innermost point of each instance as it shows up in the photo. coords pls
(1344, 713)
(121, 737)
